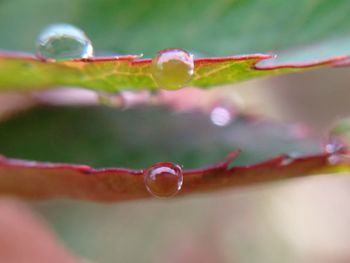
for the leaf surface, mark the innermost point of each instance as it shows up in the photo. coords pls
(46, 180)
(113, 74)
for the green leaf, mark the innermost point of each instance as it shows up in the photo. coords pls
(20, 72)
(139, 137)
(220, 28)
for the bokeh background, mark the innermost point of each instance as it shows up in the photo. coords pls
(301, 220)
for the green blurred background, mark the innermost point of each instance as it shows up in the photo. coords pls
(223, 27)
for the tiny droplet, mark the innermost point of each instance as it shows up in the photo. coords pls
(172, 68)
(333, 145)
(163, 179)
(334, 159)
(220, 116)
(63, 41)
(287, 161)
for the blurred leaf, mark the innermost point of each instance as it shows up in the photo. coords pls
(17, 219)
(139, 137)
(214, 28)
(108, 137)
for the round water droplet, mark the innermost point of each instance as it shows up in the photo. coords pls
(172, 68)
(220, 116)
(63, 41)
(163, 179)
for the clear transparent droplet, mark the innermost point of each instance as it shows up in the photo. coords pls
(163, 179)
(63, 41)
(172, 68)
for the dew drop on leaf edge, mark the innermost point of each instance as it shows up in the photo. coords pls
(172, 68)
(335, 147)
(163, 179)
(63, 41)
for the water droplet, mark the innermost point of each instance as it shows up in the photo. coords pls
(287, 161)
(63, 41)
(163, 179)
(220, 116)
(290, 158)
(333, 145)
(335, 148)
(198, 54)
(172, 68)
(334, 159)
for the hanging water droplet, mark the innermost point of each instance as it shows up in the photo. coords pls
(287, 161)
(163, 179)
(290, 158)
(63, 41)
(335, 148)
(334, 159)
(332, 147)
(172, 68)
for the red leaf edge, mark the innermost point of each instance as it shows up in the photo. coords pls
(41, 180)
(137, 59)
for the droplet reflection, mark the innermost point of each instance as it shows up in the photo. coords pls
(172, 68)
(163, 179)
(335, 148)
(333, 145)
(63, 41)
